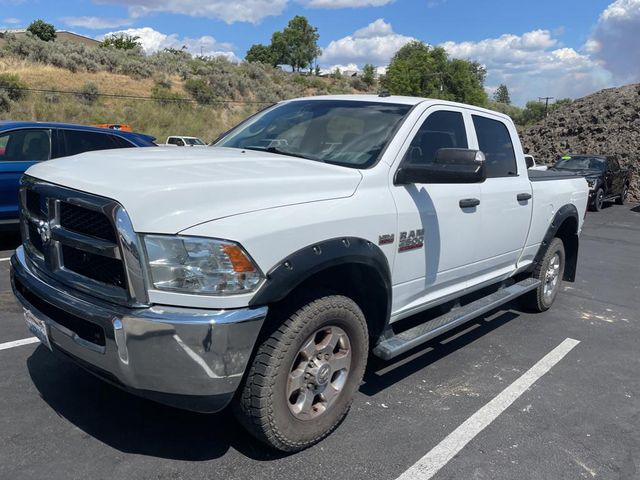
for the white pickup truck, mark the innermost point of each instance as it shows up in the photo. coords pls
(182, 141)
(262, 271)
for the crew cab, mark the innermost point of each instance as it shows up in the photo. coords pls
(182, 141)
(262, 272)
(24, 144)
(607, 180)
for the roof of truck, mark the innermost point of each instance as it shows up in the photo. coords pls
(398, 99)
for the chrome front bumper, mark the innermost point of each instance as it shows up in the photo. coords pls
(189, 358)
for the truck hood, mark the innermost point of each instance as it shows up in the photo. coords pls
(166, 190)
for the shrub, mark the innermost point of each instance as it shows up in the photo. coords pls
(5, 101)
(200, 90)
(42, 30)
(12, 86)
(89, 93)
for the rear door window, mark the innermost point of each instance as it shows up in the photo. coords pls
(495, 142)
(28, 145)
(78, 141)
(120, 142)
(441, 129)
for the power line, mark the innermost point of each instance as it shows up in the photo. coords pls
(135, 97)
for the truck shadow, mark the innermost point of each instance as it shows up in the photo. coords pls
(636, 209)
(9, 237)
(381, 375)
(135, 425)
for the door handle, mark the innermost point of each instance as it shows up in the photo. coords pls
(523, 197)
(469, 202)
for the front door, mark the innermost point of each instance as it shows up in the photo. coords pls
(19, 149)
(436, 236)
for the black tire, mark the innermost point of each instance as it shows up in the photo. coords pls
(598, 201)
(264, 405)
(623, 196)
(539, 300)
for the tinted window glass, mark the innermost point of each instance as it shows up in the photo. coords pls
(78, 141)
(342, 132)
(25, 145)
(120, 142)
(440, 130)
(495, 142)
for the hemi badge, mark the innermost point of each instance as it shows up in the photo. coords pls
(386, 239)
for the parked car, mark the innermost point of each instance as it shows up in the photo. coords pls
(180, 141)
(607, 180)
(24, 144)
(531, 163)
(265, 271)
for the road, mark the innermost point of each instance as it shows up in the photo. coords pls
(578, 420)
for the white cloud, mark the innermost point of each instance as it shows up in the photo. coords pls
(533, 64)
(152, 41)
(615, 42)
(346, 3)
(376, 43)
(96, 23)
(229, 11)
(11, 21)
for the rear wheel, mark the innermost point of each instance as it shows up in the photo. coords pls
(550, 272)
(304, 376)
(623, 196)
(598, 201)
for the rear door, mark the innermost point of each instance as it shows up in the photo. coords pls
(19, 149)
(436, 236)
(80, 141)
(506, 198)
(615, 175)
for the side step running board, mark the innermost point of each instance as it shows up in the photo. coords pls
(403, 342)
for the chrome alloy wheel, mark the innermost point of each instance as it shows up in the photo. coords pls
(552, 277)
(319, 372)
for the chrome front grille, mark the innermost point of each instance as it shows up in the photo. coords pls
(84, 241)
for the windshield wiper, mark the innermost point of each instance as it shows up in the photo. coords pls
(278, 151)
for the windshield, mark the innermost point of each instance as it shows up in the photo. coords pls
(581, 163)
(348, 133)
(194, 141)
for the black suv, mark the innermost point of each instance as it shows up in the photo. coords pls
(607, 180)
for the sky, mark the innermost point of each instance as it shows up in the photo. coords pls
(556, 48)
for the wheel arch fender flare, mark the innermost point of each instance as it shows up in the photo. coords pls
(303, 264)
(564, 225)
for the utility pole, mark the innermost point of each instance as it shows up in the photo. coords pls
(546, 105)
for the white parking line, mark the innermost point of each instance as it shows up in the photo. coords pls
(18, 343)
(441, 454)
(5, 259)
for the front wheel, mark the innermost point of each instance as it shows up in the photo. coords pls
(549, 271)
(304, 376)
(598, 201)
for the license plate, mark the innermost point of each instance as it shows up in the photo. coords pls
(37, 327)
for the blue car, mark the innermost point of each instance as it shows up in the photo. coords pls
(23, 144)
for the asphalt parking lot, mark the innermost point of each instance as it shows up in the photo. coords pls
(579, 420)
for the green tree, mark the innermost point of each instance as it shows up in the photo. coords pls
(259, 53)
(301, 39)
(369, 74)
(533, 112)
(501, 95)
(122, 41)
(43, 30)
(418, 69)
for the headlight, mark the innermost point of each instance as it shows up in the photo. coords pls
(592, 183)
(200, 265)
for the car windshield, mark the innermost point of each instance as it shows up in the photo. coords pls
(581, 163)
(342, 132)
(194, 141)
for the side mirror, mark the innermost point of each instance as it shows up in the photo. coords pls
(529, 161)
(451, 165)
